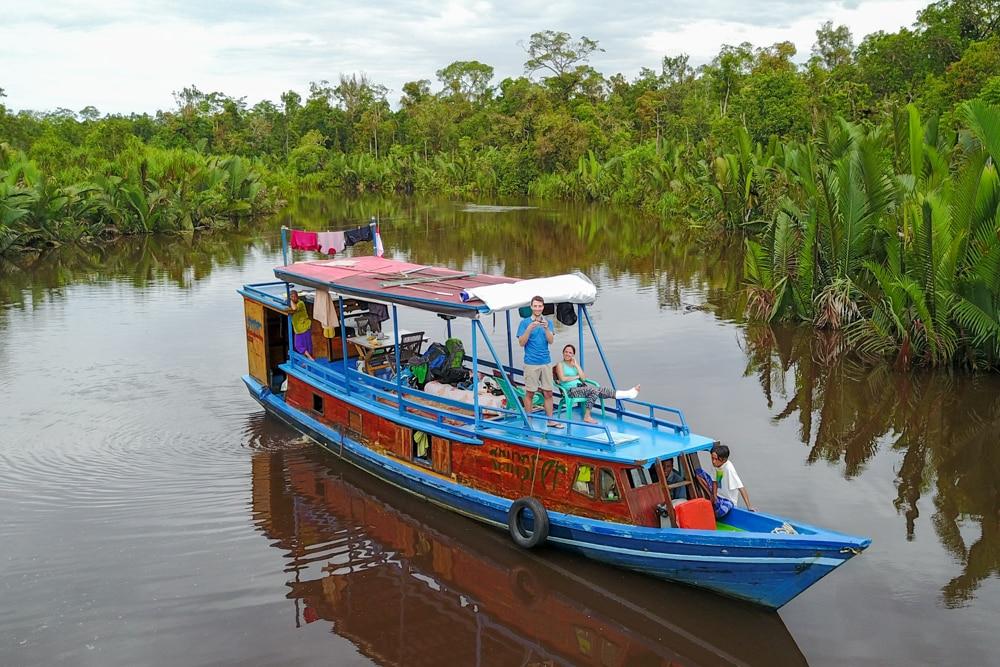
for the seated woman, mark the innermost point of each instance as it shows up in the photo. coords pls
(569, 370)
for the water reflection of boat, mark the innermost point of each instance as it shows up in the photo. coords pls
(414, 586)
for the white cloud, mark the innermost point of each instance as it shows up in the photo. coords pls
(701, 39)
(123, 56)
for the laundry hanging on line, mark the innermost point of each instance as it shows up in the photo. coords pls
(303, 240)
(330, 243)
(358, 235)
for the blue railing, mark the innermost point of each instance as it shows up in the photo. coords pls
(390, 396)
(394, 396)
(651, 418)
(679, 426)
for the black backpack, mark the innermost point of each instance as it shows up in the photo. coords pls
(453, 376)
(425, 366)
(566, 313)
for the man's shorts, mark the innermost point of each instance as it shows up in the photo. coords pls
(537, 377)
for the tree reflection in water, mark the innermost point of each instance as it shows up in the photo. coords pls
(945, 425)
(550, 238)
(179, 259)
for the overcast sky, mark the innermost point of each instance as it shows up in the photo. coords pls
(123, 56)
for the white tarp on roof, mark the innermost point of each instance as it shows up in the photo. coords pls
(572, 288)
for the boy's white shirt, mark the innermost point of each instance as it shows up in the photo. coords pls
(730, 485)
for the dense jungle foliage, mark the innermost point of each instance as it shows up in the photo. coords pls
(865, 179)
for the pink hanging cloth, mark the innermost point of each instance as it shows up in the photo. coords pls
(328, 244)
(304, 240)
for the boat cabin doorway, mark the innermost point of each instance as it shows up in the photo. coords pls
(267, 343)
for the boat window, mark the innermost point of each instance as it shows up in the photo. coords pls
(609, 486)
(355, 423)
(422, 448)
(638, 477)
(317, 403)
(583, 482)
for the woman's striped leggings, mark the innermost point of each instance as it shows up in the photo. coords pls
(591, 393)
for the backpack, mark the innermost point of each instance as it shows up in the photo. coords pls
(423, 367)
(452, 371)
(566, 314)
(453, 376)
(456, 352)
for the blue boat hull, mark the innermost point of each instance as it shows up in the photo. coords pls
(762, 568)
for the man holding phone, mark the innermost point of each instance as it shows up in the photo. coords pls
(535, 334)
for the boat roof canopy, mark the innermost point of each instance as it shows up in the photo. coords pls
(437, 289)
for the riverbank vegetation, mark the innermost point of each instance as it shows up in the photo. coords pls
(864, 177)
(51, 194)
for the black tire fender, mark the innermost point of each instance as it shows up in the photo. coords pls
(515, 522)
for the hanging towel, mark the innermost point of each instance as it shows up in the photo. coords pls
(339, 243)
(324, 311)
(326, 243)
(352, 236)
(304, 240)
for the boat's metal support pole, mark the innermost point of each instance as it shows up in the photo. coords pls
(343, 343)
(510, 343)
(288, 289)
(579, 332)
(509, 376)
(447, 321)
(475, 371)
(372, 224)
(600, 350)
(399, 374)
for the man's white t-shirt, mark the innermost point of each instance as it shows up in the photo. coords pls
(729, 482)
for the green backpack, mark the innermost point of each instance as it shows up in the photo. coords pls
(456, 353)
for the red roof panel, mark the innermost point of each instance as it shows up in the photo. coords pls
(432, 287)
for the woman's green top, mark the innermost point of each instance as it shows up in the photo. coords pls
(568, 371)
(300, 318)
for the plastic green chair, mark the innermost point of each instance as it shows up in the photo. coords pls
(514, 394)
(567, 402)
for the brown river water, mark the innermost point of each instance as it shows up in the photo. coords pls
(153, 515)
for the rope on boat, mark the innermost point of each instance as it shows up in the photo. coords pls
(534, 469)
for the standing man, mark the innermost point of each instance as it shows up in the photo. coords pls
(535, 334)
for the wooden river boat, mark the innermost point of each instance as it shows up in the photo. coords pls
(595, 489)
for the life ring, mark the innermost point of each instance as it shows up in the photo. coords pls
(515, 522)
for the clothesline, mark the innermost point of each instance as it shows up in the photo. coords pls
(332, 242)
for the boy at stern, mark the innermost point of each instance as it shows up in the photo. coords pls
(728, 482)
